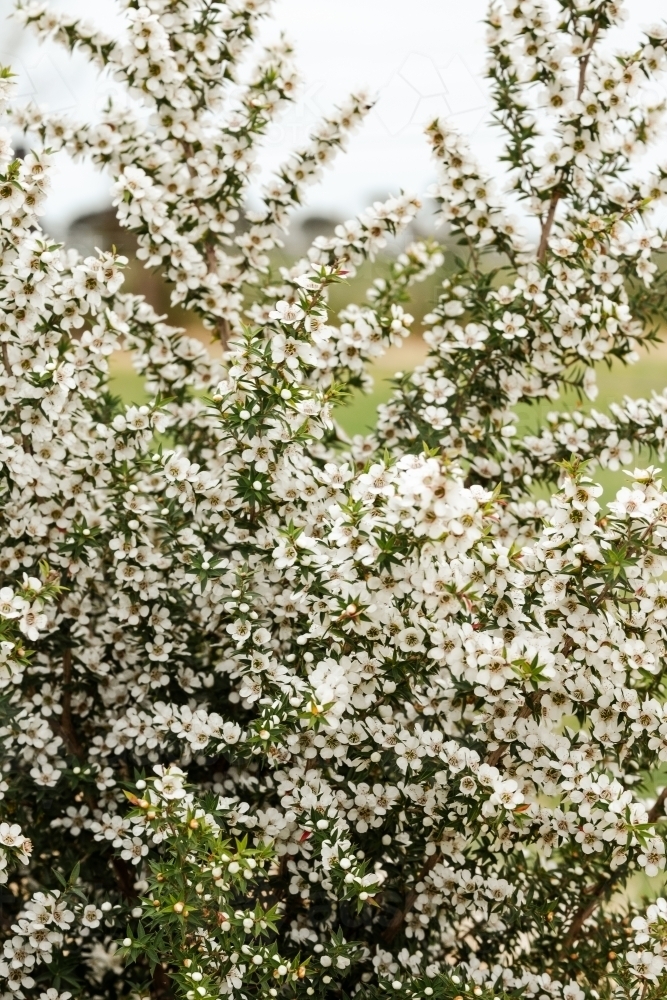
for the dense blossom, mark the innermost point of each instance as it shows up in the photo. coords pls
(286, 714)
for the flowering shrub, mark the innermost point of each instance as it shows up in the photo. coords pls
(285, 714)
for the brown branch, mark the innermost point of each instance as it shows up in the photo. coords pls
(66, 723)
(471, 378)
(582, 915)
(222, 325)
(604, 885)
(223, 332)
(397, 921)
(548, 224)
(585, 59)
(125, 878)
(658, 808)
(558, 192)
(161, 987)
(123, 874)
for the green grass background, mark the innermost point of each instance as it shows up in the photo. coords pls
(359, 414)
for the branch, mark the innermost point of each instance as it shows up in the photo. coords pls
(66, 724)
(397, 921)
(161, 986)
(222, 324)
(585, 59)
(548, 225)
(125, 878)
(658, 809)
(558, 192)
(122, 871)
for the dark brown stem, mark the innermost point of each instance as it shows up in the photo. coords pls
(124, 875)
(125, 878)
(558, 192)
(222, 325)
(223, 332)
(66, 724)
(548, 225)
(585, 59)
(161, 987)
(658, 808)
(582, 915)
(533, 699)
(397, 921)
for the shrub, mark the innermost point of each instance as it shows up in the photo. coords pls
(286, 714)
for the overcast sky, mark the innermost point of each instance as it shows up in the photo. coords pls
(421, 57)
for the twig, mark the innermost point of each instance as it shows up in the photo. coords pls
(658, 808)
(548, 224)
(122, 871)
(558, 192)
(66, 724)
(124, 877)
(222, 325)
(585, 59)
(161, 986)
(397, 921)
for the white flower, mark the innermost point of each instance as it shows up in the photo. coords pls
(288, 313)
(133, 850)
(410, 640)
(91, 916)
(409, 753)
(512, 325)
(652, 858)
(240, 630)
(169, 784)
(646, 965)
(32, 622)
(10, 835)
(564, 247)
(287, 350)
(11, 606)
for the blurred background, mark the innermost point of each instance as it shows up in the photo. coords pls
(427, 64)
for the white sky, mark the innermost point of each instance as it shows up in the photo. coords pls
(421, 57)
